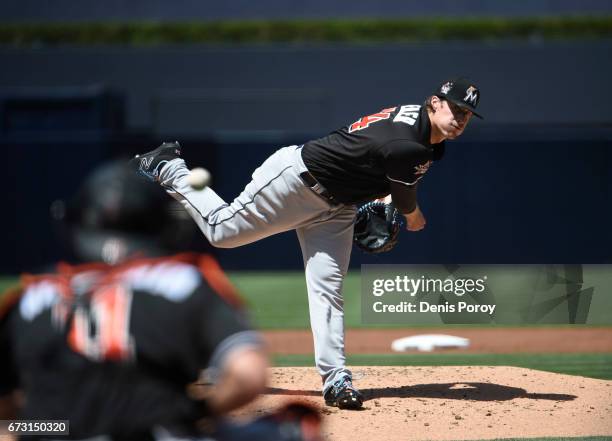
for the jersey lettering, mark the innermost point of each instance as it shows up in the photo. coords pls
(100, 330)
(408, 114)
(365, 122)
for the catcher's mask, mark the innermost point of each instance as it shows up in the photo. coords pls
(117, 214)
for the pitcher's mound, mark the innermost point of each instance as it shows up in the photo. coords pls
(451, 403)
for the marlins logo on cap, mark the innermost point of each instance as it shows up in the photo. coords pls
(462, 92)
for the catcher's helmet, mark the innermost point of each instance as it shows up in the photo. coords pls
(117, 213)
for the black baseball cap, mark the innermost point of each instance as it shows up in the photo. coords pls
(461, 92)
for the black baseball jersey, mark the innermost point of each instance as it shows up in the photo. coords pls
(112, 349)
(361, 161)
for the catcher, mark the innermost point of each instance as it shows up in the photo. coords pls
(114, 344)
(315, 188)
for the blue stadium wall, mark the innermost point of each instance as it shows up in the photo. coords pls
(530, 183)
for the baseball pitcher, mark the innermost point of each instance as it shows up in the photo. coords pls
(314, 189)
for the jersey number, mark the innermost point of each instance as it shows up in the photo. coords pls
(100, 331)
(365, 122)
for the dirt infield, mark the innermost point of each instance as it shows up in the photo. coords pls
(483, 340)
(452, 403)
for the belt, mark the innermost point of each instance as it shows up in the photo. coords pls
(314, 185)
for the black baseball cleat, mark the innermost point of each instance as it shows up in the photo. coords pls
(150, 164)
(344, 395)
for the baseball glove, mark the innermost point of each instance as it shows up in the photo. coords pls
(377, 227)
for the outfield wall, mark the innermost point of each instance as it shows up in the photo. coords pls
(528, 201)
(531, 183)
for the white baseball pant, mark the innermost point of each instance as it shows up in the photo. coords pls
(277, 200)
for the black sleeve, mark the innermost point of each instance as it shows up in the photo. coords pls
(405, 161)
(404, 197)
(222, 327)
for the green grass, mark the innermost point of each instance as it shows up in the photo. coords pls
(7, 282)
(587, 365)
(278, 300)
(306, 31)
